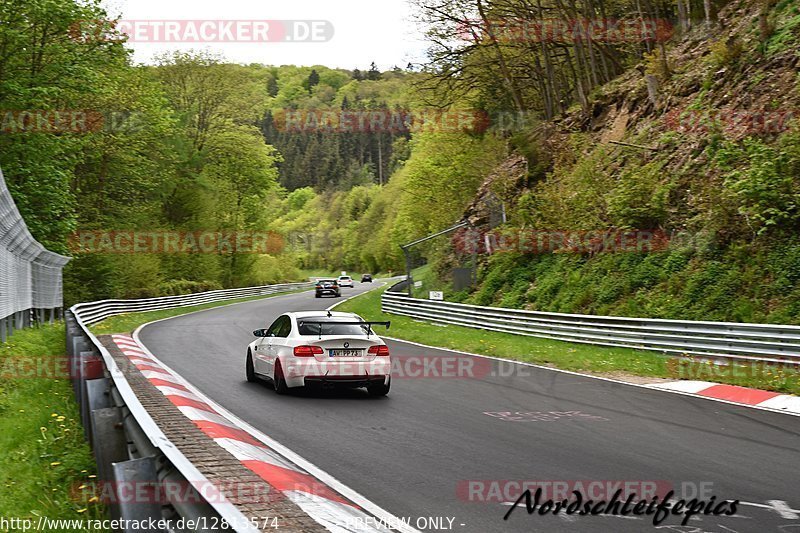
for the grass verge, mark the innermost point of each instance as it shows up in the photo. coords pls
(607, 361)
(46, 466)
(127, 322)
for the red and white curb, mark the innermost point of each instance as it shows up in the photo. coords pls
(326, 505)
(734, 394)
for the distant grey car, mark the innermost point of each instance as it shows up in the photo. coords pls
(327, 287)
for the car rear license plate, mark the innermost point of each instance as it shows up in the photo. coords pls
(345, 353)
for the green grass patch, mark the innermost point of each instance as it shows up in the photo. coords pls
(128, 322)
(786, 33)
(427, 276)
(565, 355)
(46, 466)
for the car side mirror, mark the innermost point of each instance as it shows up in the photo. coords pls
(260, 333)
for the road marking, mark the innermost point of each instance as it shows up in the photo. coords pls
(620, 516)
(542, 416)
(779, 506)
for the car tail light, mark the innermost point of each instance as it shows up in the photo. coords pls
(307, 351)
(379, 349)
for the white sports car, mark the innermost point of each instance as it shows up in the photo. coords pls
(324, 348)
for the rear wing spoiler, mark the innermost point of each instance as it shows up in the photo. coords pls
(368, 323)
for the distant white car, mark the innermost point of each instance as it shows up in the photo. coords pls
(346, 281)
(324, 348)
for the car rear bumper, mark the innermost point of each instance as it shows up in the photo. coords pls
(344, 381)
(344, 373)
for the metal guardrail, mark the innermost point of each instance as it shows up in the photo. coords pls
(128, 444)
(96, 311)
(729, 340)
(30, 275)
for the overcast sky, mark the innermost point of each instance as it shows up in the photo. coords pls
(364, 30)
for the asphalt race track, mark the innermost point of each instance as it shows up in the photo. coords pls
(430, 451)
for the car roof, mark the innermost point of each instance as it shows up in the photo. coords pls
(340, 277)
(327, 279)
(334, 314)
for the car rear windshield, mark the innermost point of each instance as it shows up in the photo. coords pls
(327, 282)
(311, 326)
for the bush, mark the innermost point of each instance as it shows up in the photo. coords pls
(182, 286)
(725, 52)
(741, 282)
(765, 180)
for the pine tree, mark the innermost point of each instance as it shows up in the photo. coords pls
(373, 74)
(272, 87)
(313, 80)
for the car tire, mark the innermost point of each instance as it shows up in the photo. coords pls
(279, 382)
(379, 390)
(317, 296)
(249, 369)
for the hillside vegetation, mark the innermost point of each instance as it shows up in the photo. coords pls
(702, 105)
(722, 179)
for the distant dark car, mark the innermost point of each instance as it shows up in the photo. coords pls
(366, 278)
(327, 287)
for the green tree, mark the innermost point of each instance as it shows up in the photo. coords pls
(312, 80)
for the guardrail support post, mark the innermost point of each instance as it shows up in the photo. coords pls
(108, 443)
(91, 370)
(97, 397)
(78, 345)
(409, 280)
(3, 329)
(139, 473)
